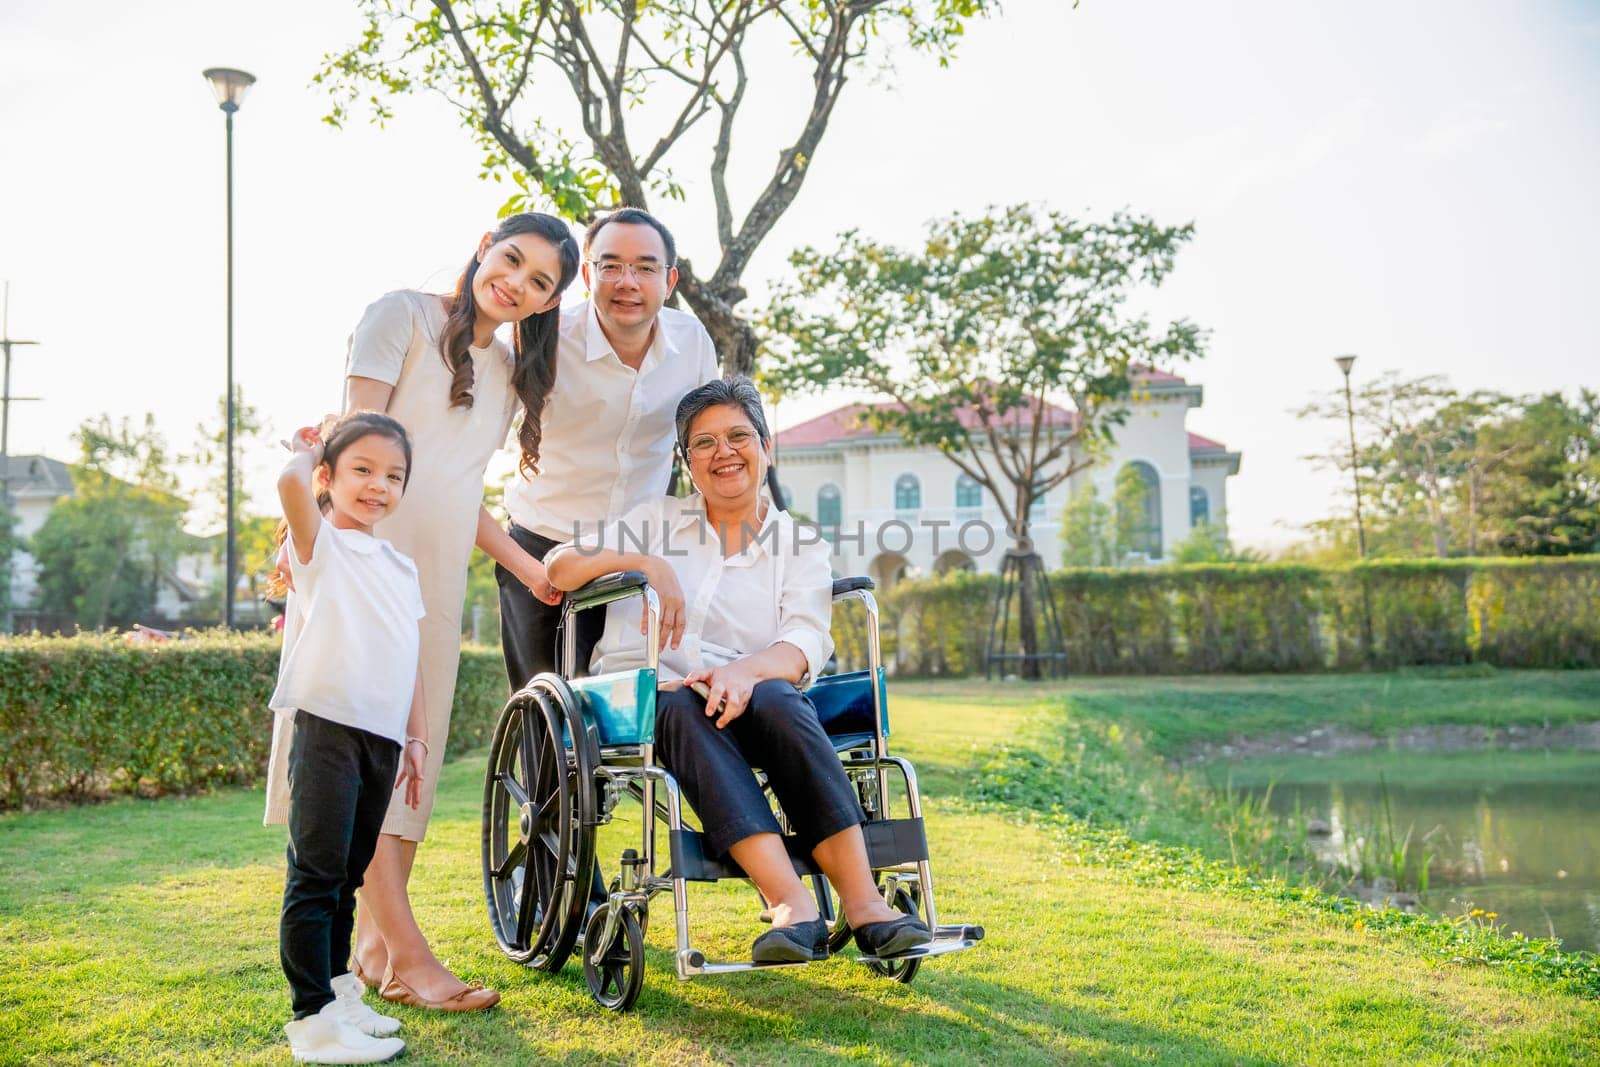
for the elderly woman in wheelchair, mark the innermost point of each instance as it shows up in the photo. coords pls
(745, 608)
(721, 692)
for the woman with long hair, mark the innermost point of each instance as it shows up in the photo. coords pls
(433, 362)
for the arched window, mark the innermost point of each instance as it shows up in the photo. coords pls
(830, 507)
(907, 493)
(1036, 510)
(1139, 509)
(969, 494)
(1199, 506)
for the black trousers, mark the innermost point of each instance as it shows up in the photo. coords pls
(779, 733)
(528, 625)
(340, 782)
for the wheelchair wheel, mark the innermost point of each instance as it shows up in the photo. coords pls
(899, 970)
(615, 982)
(539, 811)
(839, 936)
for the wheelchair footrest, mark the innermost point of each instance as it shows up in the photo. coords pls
(890, 842)
(945, 939)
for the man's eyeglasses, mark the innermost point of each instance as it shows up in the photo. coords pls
(705, 444)
(611, 270)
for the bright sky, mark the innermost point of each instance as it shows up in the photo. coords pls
(1414, 183)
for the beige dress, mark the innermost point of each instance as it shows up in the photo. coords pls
(436, 524)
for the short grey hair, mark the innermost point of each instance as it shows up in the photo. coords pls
(738, 391)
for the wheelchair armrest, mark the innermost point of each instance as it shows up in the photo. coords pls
(841, 586)
(606, 588)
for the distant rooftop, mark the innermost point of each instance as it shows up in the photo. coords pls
(37, 476)
(850, 422)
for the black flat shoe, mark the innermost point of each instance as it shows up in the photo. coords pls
(799, 943)
(892, 936)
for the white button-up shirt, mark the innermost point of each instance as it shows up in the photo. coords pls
(608, 429)
(780, 588)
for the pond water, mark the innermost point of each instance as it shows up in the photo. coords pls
(1517, 833)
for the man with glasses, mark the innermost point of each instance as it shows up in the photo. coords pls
(623, 361)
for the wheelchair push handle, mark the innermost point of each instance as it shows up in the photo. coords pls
(841, 586)
(605, 589)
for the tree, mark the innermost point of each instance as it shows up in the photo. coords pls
(640, 81)
(1419, 459)
(209, 460)
(104, 551)
(1542, 495)
(1088, 531)
(1445, 472)
(971, 335)
(1208, 543)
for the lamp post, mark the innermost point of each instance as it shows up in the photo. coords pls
(1345, 363)
(230, 87)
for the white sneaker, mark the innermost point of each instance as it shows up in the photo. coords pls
(326, 1038)
(349, 990)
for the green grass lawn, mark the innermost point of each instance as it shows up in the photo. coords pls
(145, 932)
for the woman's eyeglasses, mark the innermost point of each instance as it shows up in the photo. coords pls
(705, 444)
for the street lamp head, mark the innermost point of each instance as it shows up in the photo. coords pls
(230, 86)
(1344, 364)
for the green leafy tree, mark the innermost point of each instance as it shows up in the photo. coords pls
(1088, 531)
(1209, 543)
(971, 335)
(1541, 497)
(104, 551)
(589, 104)
(209, 460)
(1446, 473)
(1419, 460)
(208, 463)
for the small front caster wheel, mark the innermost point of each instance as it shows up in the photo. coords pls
(616, 980)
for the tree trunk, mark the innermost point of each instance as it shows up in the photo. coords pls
(733, 335)
(1028, 564)
(1472, 510)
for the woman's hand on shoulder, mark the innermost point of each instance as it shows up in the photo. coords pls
(664, 581)
(728, 688)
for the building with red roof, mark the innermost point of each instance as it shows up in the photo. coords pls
(893, 509)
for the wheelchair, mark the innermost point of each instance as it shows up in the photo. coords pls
(566, 750)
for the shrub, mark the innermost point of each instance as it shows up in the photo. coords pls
(92, 715)
(1262, 617)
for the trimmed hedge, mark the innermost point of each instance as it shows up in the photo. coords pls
(91, 715)
(1254, 617)
(87, 716)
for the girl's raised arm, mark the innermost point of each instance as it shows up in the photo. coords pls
(297, 491)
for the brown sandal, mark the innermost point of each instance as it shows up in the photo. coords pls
(366, 980)
(473, 998)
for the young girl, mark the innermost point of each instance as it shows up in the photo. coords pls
(434, 362)
(351, 682)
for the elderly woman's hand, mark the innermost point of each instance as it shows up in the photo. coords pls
(728, 688)
(670, 595)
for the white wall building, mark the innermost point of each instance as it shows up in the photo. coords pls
(904, 510)
(36, 484)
